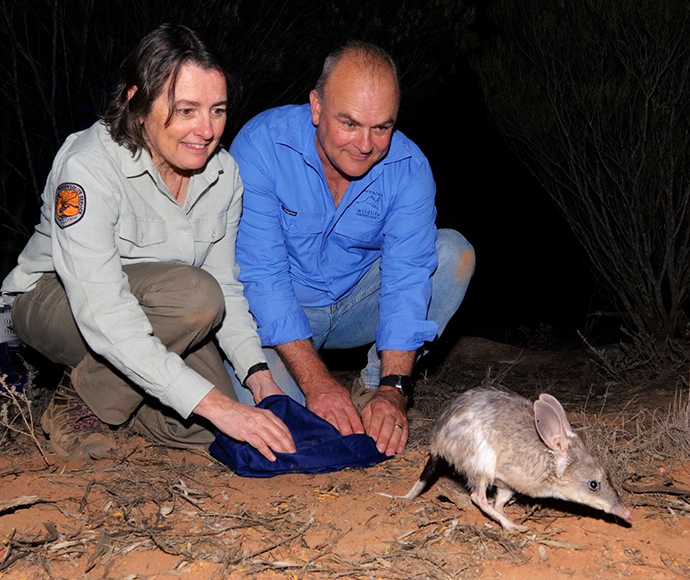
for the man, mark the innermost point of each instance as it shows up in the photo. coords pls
(337, 245)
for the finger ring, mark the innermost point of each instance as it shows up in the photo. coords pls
(398, 426)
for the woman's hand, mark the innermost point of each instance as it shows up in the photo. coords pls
(262, 385)
(258, 427)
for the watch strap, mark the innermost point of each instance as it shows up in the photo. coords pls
(403, 383)
(262, 366)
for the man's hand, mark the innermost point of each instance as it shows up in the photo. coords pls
(385, 420)
(331, 401)
(258, 427)
(323, 394)
(385, 415)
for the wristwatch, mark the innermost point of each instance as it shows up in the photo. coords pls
(262, 366)
(403, 383)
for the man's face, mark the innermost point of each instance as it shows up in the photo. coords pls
(354, 120)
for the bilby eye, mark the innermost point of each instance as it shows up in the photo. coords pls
(593, 485)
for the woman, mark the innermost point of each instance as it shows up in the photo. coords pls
(130, 276)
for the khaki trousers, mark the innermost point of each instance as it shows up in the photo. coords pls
(184, 305)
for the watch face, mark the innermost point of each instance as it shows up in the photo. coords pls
(407, 386)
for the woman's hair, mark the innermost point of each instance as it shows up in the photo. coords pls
(159, 56)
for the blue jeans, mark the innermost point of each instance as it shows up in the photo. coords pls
(352, 322)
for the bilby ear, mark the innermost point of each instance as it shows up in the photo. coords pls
(550, 427)
(553, 402)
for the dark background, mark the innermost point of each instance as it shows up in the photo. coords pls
(531, 286)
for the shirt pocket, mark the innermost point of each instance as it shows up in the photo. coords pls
(303, 234)
(142, 231)
(210, 229)
(207, 232)
(301, 224)
(359, 233)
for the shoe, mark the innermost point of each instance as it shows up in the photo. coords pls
(360, 395)
(75, 432)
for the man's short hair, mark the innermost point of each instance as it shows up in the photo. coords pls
(368, 54)
(159, 56)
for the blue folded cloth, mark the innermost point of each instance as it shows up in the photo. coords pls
(320, 446)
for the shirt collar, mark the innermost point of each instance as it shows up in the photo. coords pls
(134, 166)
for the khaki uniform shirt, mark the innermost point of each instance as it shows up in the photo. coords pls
(113, 210)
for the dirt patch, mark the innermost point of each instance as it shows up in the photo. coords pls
(150, 512)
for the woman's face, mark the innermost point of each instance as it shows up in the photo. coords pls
(197, 122)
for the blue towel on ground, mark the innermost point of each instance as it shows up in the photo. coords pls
(320, 446)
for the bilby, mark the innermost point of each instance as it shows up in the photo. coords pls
(497, 438)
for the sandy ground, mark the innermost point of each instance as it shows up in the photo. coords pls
(154, 513)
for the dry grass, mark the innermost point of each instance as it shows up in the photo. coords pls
(17, 416)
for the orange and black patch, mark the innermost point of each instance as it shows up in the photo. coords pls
(70, 204)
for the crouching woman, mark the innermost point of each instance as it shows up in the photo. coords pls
(130, 278)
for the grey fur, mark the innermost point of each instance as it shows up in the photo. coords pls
(497, 438)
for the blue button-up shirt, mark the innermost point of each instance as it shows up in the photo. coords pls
(297, 249)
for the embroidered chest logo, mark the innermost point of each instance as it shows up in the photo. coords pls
(70, 204)
(369, 206)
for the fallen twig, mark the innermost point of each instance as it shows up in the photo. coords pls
(23, 501)
(297, 534)
(563, 545)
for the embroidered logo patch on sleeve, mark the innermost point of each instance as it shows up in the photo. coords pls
(70, 204)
